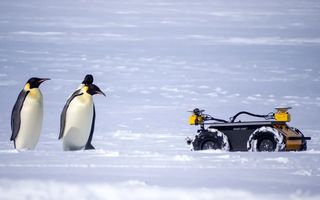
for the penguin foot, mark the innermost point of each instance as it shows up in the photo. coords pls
(89, 147)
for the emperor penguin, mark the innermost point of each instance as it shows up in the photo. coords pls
(27, 115)
(78, 118)
(88, 79)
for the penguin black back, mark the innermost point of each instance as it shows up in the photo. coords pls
(15, 115)
(89, 146)
(64, 112)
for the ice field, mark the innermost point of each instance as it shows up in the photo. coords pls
(155, 60)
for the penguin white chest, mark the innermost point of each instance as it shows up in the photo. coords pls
(31, 121)
(78, 122)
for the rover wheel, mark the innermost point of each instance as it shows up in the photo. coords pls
(210, 139)
(266, 139)
(266, 144)
(211, 144)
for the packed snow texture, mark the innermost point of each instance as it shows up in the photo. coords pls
(157, 59)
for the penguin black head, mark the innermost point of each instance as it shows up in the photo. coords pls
(93, 89)
(35, 82)
(88, 79)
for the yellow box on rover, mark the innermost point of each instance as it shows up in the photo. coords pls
(282, 115)
(195, 120)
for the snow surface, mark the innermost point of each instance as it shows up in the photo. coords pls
(156, 59)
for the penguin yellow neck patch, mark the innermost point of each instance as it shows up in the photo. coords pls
(27, 87)
(35, 93)
(84, 89)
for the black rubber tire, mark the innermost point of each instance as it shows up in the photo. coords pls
(265, 141)
(210, 139)
(303, 146)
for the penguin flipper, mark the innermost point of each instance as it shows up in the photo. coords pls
(64, 112)
(15, 115)
(88, 144)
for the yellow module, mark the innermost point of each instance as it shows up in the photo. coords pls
(282, 115)
(195, 119)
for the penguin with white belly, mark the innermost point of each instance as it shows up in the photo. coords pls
(88, 79)
(78, 118)
(27, 115)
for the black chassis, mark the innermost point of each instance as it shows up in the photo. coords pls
(238, 133)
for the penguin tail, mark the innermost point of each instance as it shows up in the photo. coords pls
(89, 147)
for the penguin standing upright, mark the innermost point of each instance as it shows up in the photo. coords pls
(78, 118)
(88, 79)
(27, 115)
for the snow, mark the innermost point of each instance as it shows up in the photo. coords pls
(156, 60)
(125, 190)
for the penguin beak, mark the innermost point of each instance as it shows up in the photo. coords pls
(43, 80)
(100, 92)
(94, 89)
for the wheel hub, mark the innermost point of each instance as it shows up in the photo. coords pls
(266, 145)
(210, 145)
